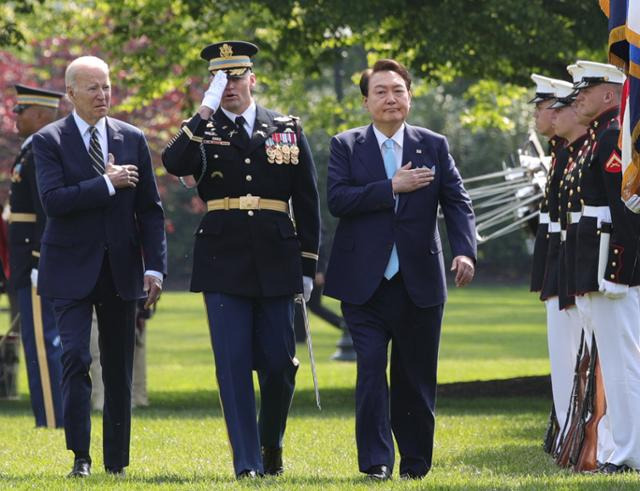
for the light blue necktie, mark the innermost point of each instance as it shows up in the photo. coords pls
(390, 166)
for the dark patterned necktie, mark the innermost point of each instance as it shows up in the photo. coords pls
(241, 130)
(95, 151)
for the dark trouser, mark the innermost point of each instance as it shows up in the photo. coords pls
(409, 409)
(247, 334)
(116, 326)
(42, 352)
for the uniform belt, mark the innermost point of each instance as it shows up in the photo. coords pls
(247, 203)
(602, 213)
(573, 216)
(22, 217)
(544, 218)
(563, 235)
(554, 227)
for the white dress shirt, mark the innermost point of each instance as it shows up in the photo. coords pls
(398, 141)
(249, 117)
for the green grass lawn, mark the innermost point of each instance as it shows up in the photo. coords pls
(180, 441)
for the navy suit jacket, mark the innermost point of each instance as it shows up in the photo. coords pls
(84, 222)
(360, 194)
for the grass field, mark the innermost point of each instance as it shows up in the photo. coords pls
(180, 441)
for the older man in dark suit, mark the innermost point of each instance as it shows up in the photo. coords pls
(104, 246)
(385, 183)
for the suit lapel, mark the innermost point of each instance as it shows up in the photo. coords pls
(115, 141)
(369, 154)
(73, 144)
(227, 129)
(412, 151)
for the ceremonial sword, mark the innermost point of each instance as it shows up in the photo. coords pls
(307, 330)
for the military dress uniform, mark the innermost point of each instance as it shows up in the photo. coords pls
(613, 318)
(40, 336)
(258, 238)
(545, 274)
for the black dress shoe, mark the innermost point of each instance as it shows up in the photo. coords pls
(378, 473)
(272, 461)
(609, 468)
(115, 471)
(81, 468)
(411, 475)
(248, 474)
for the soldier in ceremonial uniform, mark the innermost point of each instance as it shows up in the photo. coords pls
(606, 251)
(567, 207)
(35, 108)
(252, 252)
(543, 99)
(562, 342)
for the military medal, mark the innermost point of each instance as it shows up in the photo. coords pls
(295, 151)
(278, 149)
(286, 154)
(271, 151)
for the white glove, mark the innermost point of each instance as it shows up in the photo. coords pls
(633, 203)
(307, 285)
(213, 95)
(613, 290)
(34, 278)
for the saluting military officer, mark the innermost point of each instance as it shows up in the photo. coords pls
(35, 108)
(252, 252)
(607, 243)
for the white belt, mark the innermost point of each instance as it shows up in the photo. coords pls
(554, 227)
(602, 213)
(544, 218)
(574, 216)
(563, 235)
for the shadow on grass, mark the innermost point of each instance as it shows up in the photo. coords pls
(336, 402)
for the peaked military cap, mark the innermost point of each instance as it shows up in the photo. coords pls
(598, 73)
(234, 57)
(564, 93)
(34, 96)
(544, 88)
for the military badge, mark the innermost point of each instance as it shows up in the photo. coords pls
(226, 51)
(15, 175)
(614, 164)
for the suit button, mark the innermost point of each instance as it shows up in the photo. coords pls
(27, 240)
(247, 160)
(613, 264)
(615, 251)
(200, 231)
(250, 213)
(249, 178)
(613, 277)
(215, 155)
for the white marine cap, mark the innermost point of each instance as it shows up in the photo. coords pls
(563, 92)
(598, 73)
(544, 88)
(576, 72)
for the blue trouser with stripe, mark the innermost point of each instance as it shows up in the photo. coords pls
(247, 334)
(42, 352)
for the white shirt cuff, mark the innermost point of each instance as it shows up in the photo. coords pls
(112, 190)
(155, 274)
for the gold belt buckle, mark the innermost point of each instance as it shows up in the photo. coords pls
(249, 202)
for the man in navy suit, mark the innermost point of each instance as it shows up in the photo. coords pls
(103, 247)
(385, 183)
